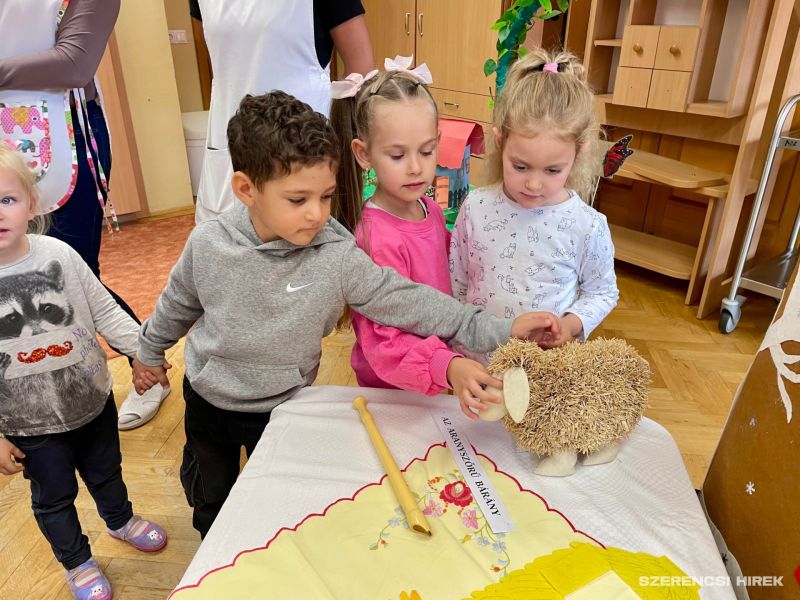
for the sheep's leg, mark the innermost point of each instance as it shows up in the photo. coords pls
(558, 464)
(602, 456)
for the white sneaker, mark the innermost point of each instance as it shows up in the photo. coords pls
(138, 410)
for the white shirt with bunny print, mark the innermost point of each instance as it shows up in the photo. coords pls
(511, 260)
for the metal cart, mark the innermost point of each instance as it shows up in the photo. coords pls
(769, 278)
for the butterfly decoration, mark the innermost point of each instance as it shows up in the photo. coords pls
(616, 155)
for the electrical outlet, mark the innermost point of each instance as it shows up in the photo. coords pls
(177, 36)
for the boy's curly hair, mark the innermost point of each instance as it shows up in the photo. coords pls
(273, 133)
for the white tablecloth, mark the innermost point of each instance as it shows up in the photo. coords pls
(315, 451)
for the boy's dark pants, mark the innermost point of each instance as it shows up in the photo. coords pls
(214, 438)
(49, 464)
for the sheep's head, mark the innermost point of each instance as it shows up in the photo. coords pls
(579, 397)
(514, 397)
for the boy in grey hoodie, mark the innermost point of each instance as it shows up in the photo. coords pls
(259, 287)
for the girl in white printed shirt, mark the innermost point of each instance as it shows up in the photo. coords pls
(530, 242)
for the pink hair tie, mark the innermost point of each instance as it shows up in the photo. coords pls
(551, 67)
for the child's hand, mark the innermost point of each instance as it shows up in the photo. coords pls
(571, 329)
(468, 378)
(145, 377)
(8, 453)
(536, 326)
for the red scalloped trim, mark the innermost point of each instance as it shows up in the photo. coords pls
(352, 499)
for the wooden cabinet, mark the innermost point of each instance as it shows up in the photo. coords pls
(392, 27)
(714, 44)
(655, 66)
(454, 38)
(725, 68)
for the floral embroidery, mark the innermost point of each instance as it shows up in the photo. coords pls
(470, 519)
(456, 493)
(433, 509)
(450, 492)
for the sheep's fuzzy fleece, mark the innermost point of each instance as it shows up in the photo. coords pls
(584, 396)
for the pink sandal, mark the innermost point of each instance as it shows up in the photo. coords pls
(87, 582)
(142, 534)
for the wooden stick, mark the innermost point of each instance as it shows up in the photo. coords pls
(416, 520)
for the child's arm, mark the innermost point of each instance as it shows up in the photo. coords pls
(404, 360)
(384, 296)
(459, 253)
(401, 359)
(115, 325)
(598, 286)
(177, 309)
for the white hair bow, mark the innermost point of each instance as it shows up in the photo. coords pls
(402, 63)
(349, 86)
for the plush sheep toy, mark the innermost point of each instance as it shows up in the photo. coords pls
(581, 398)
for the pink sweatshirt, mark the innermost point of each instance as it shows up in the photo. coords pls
(386, 357)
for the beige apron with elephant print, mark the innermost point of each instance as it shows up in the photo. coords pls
(38, 123)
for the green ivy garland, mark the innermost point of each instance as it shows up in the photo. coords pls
(512, 28)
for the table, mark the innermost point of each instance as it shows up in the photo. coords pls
(315, 451)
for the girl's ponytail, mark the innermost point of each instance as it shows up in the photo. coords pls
(349, 176)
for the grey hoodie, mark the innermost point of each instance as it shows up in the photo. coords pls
(256, 312)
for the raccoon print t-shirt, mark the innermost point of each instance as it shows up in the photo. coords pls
(53, 372)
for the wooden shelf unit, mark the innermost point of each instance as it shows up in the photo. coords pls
(671, 66)
(653, 253)
(662, 255)
(615, 43)
(718, 130)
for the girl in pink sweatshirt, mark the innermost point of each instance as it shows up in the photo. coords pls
(392, 121)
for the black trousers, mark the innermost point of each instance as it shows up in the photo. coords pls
(50, 463)
(214, 438)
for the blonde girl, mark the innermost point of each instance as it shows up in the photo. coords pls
(529, 241)
(57, 411)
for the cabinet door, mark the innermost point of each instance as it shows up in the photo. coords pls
(676, 48)
(639, 43)
(632, 86)
(668, 90)
(391, 25)
(454, 39)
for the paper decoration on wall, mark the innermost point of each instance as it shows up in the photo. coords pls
(785, 329)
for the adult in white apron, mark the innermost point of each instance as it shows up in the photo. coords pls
(255, 47)
(49, 52)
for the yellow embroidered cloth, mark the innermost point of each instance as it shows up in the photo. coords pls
(361, 547)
